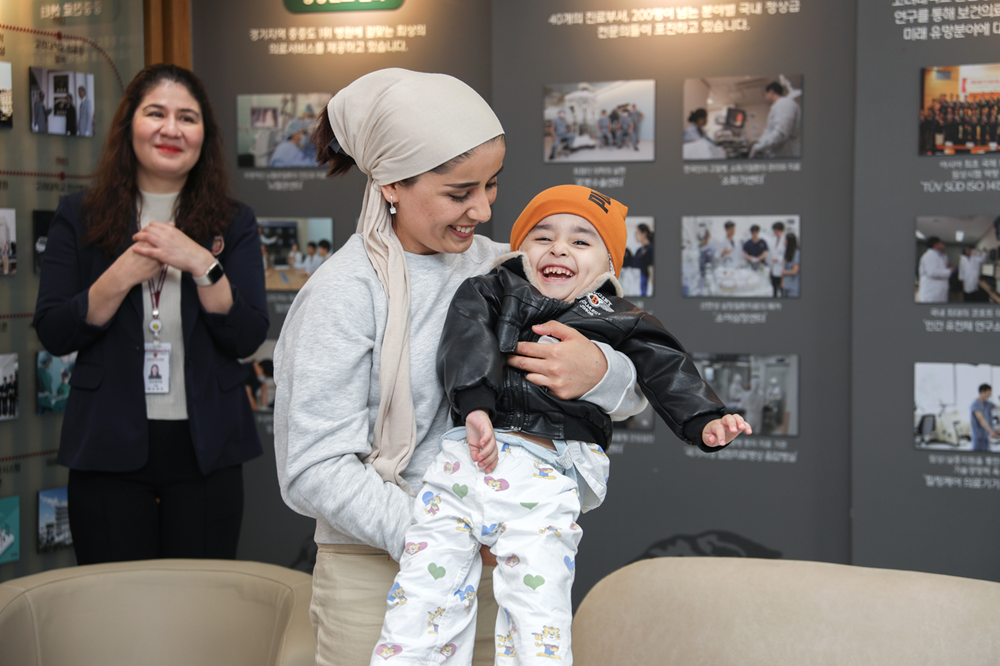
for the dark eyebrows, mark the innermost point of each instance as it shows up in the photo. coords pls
(163, 108)
(462, 186)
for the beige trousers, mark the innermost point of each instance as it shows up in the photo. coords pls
(350, 586)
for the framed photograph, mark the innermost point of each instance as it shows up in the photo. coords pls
(742, 117)
(639, 266)
(259, 384)
(741, 256)
(53, 520)
(600, 121)
(61, 102)
(6, 96)
(9, 392)
(960, 110)
(954, 408)
(272, 131)
(293, 248)
(8, 241)
(762, 389)
(10, 529)
(54, 373)
(40, 221)
(956, 259)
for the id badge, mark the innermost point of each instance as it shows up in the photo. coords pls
(156, 367)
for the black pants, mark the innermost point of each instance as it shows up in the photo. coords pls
(776, 286)
(168, 508)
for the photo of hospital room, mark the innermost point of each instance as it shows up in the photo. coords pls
(953, 408)
(763, 389)
(608, 121)
(956, 259)
(741, 117)
(960, 110)
(292, 249)
(741, 256)
(272, 131)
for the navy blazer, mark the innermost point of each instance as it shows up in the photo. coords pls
(105, 426)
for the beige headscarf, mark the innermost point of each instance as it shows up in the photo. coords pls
(397, 124)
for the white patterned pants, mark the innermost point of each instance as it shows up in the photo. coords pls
(525, 511)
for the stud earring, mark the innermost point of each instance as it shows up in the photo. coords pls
(392, 207)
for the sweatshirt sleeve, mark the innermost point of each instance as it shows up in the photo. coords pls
(323, 365)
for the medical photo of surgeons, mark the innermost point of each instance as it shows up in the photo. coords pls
(960, 110)
(741, 256)
(954, 408)
(608, 121)
(957, 259)
(763, 389)
(742, 117)
(272, 131)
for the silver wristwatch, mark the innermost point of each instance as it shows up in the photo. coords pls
(211, 276)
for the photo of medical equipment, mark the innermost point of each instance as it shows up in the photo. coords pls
(762, 389)
(945, 395)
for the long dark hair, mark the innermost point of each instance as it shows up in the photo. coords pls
(791, 245)
(204, 207)
(644, 228)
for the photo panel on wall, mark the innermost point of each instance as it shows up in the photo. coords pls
(293, 248)
(53, 520)
(953, 410)
(273, 130)
(743, 117)
(8, 241)
(741, 256)
(54, 373)
(639, 266)
(10, 529)
(600, 121)
(62, 102)
(259, 383)
(40, 221)
(9, 387)
(764, 390)
(957, 259)
(6, 96)
(960, 110)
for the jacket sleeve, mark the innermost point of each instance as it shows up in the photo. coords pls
(469, 360)
(671, 382)
(63, 299)
(239, 332)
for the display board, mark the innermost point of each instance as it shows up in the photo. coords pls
(269, 68)
(925, 312)
(63, 68)
(727, 195)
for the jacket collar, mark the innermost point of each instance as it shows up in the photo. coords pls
(517, 262)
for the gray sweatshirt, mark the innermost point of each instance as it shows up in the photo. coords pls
(326, 367)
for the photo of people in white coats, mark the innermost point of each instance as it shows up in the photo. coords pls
(62, 102)
(605, 121)
(743, 117)
(956, 259)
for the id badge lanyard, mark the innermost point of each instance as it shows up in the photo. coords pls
(156, 365)
(155, 290)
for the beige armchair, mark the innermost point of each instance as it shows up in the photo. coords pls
(170, 612)
(745, 612)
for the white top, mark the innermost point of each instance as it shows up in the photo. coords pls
(934, 274)
(170, 406)
(968, 271)
(326, 366)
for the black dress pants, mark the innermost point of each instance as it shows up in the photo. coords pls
(166, 509)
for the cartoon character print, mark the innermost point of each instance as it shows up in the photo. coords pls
(433, 617)
(504, 447)
(448, 650)
(496, 484)
(544, 471)
(512, 561)
(495, 529)
(412, 548)
(574, 526)
(551, 528)
(547, 640)
(397, 597)
(387, 651)
(452, 467)
(432, 503)
(596, 448)
(465, 525)
(467, 595)
(505, 642)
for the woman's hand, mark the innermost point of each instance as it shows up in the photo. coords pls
(169, 245)
(105, 296)
(568, 369)
(722, 431)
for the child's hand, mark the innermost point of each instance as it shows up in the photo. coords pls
(722, 431)
(482, 440)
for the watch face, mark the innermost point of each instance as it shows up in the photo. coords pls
(215, 273)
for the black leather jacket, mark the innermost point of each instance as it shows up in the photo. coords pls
(491, 313)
